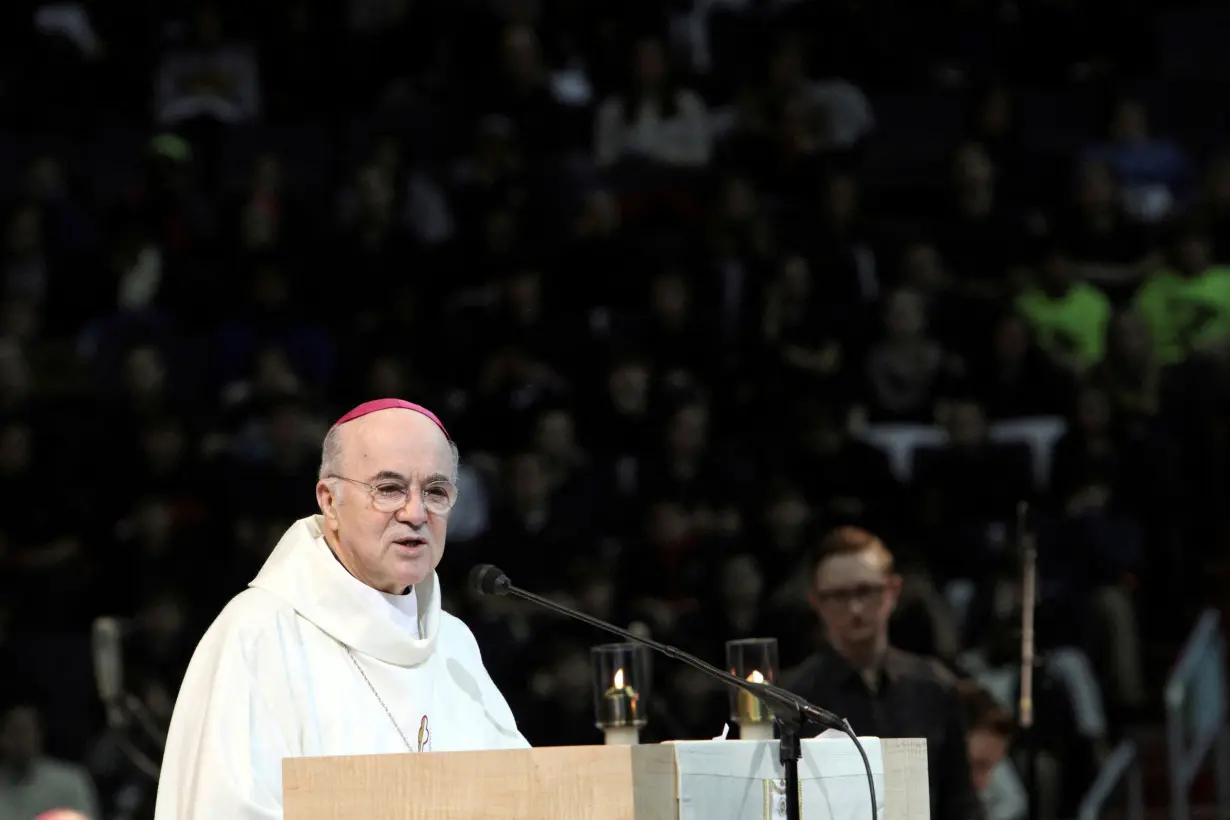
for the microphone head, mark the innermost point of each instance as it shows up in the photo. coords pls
(486, 579)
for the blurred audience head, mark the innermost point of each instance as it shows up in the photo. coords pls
(21, 737)
(669, 297)
(669, 525)
(15, 377)
(1129, 121)
(1097, 188)
(628, 385)
(967, 424)
(16, 449)
(1127, 340)
(921, 267)
(1192, 248)
(786, 512)
(742, 582)
(795, 280)
(528, 480)
(988, 731)
(905, 315)
(688, 430)
(1093, 411)
(1011, 339)
(1056, 274)
(145, 373)
(555, 435)
(650, 63)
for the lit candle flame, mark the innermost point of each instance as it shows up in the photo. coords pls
(755, 677)
(618, 681)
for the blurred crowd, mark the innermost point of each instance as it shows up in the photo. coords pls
(692, 283)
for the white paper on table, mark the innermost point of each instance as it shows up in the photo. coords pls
(744, 780)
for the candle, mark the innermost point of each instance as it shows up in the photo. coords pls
(621, 736)
(619, 703)
(751, 709)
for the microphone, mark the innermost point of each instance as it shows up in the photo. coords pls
(491, 580)
(790, 711)
(487, 579)
(105, 645)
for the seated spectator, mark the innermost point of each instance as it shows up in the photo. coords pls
(654, 119)
(1187, 304)
(1015, 378)
(967, 494)
(907, 369)
(209, 77)
(803, 352)
(981, 236)
(31, 782)
(988, 734)
(1068, 317)
(1106, 245)
(1212, 207)
(1129, 372)
(1155, 172)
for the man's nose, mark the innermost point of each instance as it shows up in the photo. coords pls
(414, 511)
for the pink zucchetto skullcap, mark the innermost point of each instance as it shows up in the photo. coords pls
(388, 404)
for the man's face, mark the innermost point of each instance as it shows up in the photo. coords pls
(1057, 271)
(388, 447)
(854, 595)
(967, 427)
(556, 435)
(742, 582)
(21, 739)
(629, 386)
(986, 750)
(1194, 254)
(689, 431)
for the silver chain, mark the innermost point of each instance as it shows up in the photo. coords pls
(379, 699)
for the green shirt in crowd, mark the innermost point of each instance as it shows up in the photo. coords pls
(1185, 313)
(1070, 326)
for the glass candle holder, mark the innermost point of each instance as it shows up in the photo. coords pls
(752, 659)
(621, 690)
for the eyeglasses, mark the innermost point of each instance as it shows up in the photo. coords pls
(390, 496)
(861, 594)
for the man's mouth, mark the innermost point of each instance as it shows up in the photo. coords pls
(410, 542)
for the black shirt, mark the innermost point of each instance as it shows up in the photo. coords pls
(916, 697)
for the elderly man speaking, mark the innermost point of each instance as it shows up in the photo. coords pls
(339, 646)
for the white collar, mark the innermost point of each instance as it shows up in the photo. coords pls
(397, 629)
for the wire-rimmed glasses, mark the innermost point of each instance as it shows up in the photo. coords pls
(390, 496)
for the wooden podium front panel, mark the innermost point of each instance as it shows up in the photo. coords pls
(549, 783)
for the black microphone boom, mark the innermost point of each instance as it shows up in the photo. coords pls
(490, 580)
(790, 712)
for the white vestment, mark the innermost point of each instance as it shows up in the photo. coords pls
(273, 678)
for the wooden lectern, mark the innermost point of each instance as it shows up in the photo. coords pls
(603, 783)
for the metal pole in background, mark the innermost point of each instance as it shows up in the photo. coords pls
(1025, 706)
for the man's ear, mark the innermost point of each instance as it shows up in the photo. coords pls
(813, 600)
(892, 591)
(327, 499)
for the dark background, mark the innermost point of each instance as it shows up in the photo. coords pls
(668, 369)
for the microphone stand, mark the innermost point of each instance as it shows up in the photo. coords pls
(1025, 706)
(790, 712)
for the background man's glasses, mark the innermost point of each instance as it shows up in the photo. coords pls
(862, 594)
